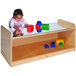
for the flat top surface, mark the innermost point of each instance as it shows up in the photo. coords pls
(53, 27)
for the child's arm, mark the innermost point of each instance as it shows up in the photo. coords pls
(16, 27)
(12, 26)
(25, 23)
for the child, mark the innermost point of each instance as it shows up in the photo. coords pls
(16, 23)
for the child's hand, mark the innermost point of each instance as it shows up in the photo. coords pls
(26, 25)
(16, 27)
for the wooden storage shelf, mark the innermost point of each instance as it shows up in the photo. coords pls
(24, 49)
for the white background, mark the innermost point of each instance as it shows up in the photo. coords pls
(47, 11)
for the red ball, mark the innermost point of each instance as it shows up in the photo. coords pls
(30, 28)
(38, 27)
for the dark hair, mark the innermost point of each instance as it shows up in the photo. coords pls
(14, 33)
(17, 12)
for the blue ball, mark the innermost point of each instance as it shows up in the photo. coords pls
(39, 22)
(39, 30)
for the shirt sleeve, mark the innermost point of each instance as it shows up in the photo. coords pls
(25, 21)
(11, 23)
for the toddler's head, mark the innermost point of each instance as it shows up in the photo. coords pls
(18, 14)
(17, 33)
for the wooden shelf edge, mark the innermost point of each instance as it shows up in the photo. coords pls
(6, 44)
(6, 30)
(40, 57)
(70, 29)
(66, 24)
(9, 63)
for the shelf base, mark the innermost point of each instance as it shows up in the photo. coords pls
(14, 63)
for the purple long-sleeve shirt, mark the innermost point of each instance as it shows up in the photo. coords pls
(13, 22)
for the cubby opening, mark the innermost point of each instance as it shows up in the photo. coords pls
(37, 48)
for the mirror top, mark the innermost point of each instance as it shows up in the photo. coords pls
(53, 27)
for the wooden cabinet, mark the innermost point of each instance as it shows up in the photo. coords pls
(19, 50)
